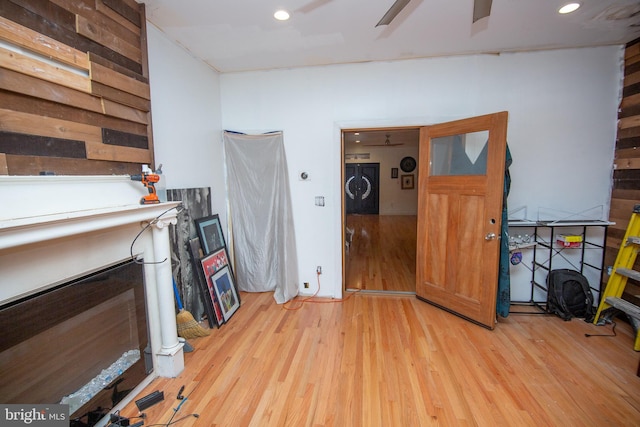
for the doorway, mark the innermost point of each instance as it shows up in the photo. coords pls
(380, 208)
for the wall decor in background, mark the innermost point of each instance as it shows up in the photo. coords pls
(407, 182)
(407, 164)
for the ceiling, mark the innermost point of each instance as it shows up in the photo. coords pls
(373, 139)
(242, 35)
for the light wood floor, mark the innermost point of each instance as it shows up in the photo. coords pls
(377, 360)
(382, 254)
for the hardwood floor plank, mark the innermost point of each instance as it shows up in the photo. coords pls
(377, 360)
(382, 253)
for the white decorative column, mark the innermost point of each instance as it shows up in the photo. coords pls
(170, 356)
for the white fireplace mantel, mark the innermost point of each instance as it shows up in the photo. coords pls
(57, 228)
(24, 231)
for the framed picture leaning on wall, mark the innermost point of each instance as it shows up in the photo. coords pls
(211, 265)
(210, 233)
(225, 289)
(198, 275)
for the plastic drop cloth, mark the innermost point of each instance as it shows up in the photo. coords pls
(261, 215)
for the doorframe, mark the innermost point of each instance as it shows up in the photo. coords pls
(343, 214)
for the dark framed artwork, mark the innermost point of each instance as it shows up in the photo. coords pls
(211, 265)
(196, 256)
(408, 164)
(225, 289)
(210, 233)
(407, 182)
(394, 173)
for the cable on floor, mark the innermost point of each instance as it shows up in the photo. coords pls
(310, 299)
(613, 334)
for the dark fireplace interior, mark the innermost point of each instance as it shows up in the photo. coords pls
(81, 343)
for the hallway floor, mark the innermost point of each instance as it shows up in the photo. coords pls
(382, 253)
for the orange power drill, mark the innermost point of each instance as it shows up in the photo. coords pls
(148, 180)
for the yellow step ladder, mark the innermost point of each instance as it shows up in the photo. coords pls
(611, 300)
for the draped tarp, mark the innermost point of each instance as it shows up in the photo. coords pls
(261, 215)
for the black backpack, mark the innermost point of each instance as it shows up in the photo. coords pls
(569, 295)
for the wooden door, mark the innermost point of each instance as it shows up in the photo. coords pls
(362, 188)
(460, 192)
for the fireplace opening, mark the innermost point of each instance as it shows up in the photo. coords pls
(83, 343)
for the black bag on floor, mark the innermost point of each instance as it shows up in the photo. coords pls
(569, 295)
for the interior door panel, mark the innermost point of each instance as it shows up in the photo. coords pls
(460, 191)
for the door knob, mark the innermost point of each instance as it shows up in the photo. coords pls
(490, 236)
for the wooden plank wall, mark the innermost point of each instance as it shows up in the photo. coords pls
(626, 175)
(74, 87)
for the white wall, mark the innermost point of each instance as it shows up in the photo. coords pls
(562, 125)
(187, 130)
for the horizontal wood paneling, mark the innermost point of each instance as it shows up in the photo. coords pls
(4, 169)
(76, 73)
(18, 83)
(33, 67)
(627, 163)
(104, 37)
(13, 121)
(38, 43)
(124, 112)
(114, 137)
(33, 145)
(123, 9)
(626, 175)
(632, 79)
(629, 122)
(33, 165)
(120, 97)
(630, 101)
(109, 77)
(18, 103)
(58, 23)
(107, 18)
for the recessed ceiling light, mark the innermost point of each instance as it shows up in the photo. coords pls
(568, 8)
(281, 15)
(357, 141)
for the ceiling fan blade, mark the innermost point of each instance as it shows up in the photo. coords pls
(481, 9)
(393, 11)
(312, 5)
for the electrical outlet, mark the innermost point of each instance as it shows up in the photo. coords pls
(306, 285)
(319, 269)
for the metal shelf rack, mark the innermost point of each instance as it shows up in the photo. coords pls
(545, 249)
